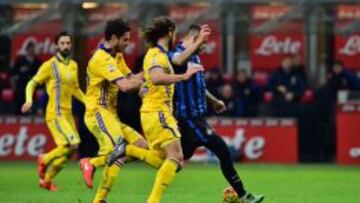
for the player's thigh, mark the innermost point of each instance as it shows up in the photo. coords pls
(160, 129)
(189, 140)
(62, 132)
(130, 135)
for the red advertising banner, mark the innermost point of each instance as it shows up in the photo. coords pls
(347, 47)
(23, 138)
(41, 34)
(211, 58)
(256, 140)
(348, 139)
(268, 50)
(44, 45)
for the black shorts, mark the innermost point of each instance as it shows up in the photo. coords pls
(195, 132)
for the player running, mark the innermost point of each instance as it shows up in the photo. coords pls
(157, 121)
(191, 99)
(60, 75)
(107, 73)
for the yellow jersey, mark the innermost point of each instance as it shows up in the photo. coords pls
(102, 71)
(157, 97)
(61, 79)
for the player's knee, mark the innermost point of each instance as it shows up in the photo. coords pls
(142, 144)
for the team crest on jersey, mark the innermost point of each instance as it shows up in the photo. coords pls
(153, 61)
(111, 68)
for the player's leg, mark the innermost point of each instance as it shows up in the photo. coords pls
(45, 159)
(137, 148)
(67, 127)
(162, 133)
(110, 133)
(165, 175)
(217, 145)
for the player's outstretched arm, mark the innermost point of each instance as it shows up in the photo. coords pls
(127, 85)
(159, 77)
(216, 103)
(29, 92)
(181, 58)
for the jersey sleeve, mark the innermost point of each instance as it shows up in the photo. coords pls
(109, 71)
(43, 73)
(158, 60)
(123, 66)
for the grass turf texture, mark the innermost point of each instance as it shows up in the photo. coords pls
(197, 183)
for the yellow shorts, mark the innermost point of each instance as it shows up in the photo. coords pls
(107, 129)
(63, 130)
(160, 129)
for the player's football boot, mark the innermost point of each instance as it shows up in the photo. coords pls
(88, 171)
(249, 198)
(119, 152)
(47, 185)
(101, 201)
(41, 166)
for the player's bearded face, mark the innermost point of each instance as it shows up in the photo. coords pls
(64, 46)
(123, 42)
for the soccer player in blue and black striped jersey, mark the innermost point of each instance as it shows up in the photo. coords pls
(191, 103)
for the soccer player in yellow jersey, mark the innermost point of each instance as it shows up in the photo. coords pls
(60, 75)
(107, 74)
(157, 120)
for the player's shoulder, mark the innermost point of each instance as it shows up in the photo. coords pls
(49, 62)
(154, 55)
(73, 63)
(101, 56)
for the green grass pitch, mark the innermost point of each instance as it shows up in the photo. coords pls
(197, 183)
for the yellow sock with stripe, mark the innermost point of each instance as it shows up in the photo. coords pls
(164, 178)
(99, 161)
(55, 153)
(144, 155)
(109, 175)
(55, 167)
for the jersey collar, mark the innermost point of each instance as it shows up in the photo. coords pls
(61, 59)
(161, 48)
(102, 46)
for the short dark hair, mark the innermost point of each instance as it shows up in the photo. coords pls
(117, 27)
(62, 34)
(193, 28)
(158, 28)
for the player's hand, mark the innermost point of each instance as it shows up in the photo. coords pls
(218, 106)
(26, 107)
(192, 69)
(204, 34)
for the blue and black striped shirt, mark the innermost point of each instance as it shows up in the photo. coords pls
(190, 98)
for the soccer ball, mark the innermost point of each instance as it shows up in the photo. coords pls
(230, 196)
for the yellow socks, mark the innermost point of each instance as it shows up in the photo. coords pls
(164, 178)
(109, 175)
(56, 153)
(55, 168)
(144, 155)
(99, 161)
